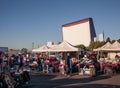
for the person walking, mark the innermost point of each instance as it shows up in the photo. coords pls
(1, 60)
(62, 66)
(68, 65)
(39, 64)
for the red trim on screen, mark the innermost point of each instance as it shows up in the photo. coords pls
(76, 22)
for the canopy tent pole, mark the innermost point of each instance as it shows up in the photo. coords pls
(98, 54)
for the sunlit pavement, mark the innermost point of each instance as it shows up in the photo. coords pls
(40, 80)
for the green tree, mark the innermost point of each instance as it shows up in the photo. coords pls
(81, 46)
(94, 45)
(24, 50)
(108, 39)
(113, 41)
(118, 40)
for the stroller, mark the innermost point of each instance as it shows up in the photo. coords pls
(7, 81)
(21, 77)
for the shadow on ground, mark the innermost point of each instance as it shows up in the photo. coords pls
(89, 86)
(46, 81)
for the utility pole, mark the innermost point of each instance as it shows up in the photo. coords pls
(32, 45)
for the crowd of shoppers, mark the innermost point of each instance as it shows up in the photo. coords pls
(65, 65)
(12, 72)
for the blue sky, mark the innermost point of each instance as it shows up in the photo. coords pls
(25, 21)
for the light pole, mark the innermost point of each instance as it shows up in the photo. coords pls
(32, 45)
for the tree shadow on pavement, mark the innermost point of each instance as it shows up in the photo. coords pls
(89, 86)
(48, 81)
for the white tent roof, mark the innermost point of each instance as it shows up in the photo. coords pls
(109, 47)
(106, 46)
(115, 46)
(43, 48)
(64, 47)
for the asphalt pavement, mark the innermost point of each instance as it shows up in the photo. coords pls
(45, 80)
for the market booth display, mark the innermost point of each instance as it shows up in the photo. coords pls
(111, 49)
(63, 48)
(113, 56)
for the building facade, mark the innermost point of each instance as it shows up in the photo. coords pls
(79, 32)
(3, 49)
(101, 37)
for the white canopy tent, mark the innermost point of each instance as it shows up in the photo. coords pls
(111, 49)
(115, 46)
(114, 50)
(104, 47)
(43, 48)
(64, 47)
